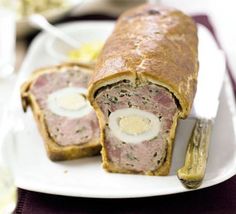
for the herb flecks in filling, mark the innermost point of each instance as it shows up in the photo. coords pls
(148, 155)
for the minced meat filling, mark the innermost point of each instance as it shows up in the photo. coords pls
(65, 131)
(147, 155)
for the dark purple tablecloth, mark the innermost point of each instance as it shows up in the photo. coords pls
(218, 199)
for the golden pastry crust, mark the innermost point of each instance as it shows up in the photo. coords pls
(150, 43)
(55, 151)
(161, 48)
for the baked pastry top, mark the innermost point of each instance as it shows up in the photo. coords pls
(160, 47)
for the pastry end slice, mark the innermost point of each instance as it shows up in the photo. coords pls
(65, 119)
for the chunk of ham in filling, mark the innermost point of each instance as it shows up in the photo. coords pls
(63, 130)
(144, 156)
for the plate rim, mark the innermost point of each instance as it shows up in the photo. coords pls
(228, 90)
(207, 183)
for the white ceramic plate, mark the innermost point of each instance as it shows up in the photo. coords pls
(85, 177)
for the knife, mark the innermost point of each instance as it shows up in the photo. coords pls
(210, 80)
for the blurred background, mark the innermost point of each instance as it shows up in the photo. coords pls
(221, 14)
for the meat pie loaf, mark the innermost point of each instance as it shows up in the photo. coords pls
(66, 120)
(145, 79)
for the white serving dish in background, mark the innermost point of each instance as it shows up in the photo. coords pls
(24, 28)
(59, 51)
(32, 169)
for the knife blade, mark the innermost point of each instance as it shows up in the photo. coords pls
(210, 80)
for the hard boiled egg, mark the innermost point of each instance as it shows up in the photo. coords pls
(133, 125)
(69, 102)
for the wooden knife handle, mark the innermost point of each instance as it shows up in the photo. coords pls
(193, 171)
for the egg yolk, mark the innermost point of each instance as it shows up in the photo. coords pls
(134, 124)
(72, 101)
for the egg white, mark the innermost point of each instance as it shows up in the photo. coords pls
(84, 108)
(149, 134)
